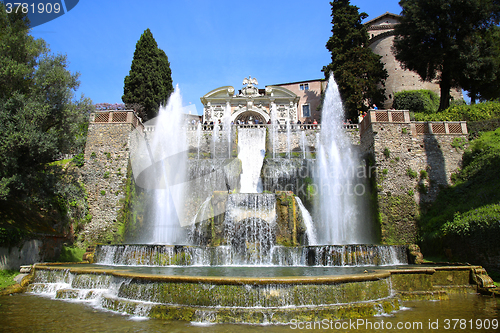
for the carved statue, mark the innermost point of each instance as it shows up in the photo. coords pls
(250, 81)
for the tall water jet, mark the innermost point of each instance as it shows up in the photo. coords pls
(198, 137)
(340, 192)
(215, 139)
(169, 154)
(288, 139)
(303, 143)
(274, 129)
(227, 128)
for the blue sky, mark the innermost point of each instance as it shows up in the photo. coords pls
(209, 43)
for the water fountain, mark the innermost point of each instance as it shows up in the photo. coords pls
(229, 246)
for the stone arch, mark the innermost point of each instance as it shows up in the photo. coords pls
(246, 115)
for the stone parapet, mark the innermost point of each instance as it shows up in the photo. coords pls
(413, 162)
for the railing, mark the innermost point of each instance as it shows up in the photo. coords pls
(417, 128)
(439, 127)
(279, 127)
(117, 117)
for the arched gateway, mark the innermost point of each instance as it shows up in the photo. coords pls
(250, 104)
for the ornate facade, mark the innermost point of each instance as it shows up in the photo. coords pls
(250, 103)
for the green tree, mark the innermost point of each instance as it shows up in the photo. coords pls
(440, 33)
(481, 74)
(39, 120)
(358, 71)
(149, 83)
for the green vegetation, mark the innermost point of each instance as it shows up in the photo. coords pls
(475, 112)
(411, 173)
(443, 33)
(149, 82)
(6, 278)
(357, 70)
(424, 101)
(471, 207)
(387, 152)
(40, 121)
(71, 254)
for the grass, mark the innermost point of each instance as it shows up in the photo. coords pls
(7, 278)
(472, 205)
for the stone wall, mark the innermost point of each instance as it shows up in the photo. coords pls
(45, 248)
(410, 163)
(107, 154)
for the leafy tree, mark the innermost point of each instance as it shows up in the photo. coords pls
(440, 33)
(358, 71)
(149, 83)
(481, 76)
(39, 120)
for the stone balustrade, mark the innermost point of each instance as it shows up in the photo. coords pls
(117, 117)
(279, 127)
(417, 127)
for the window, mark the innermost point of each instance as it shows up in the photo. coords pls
(304, 86)
(306, 111)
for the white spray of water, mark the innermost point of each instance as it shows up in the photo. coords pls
(168, 148)
(340, 220)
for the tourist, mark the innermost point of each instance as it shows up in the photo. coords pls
(360, 117)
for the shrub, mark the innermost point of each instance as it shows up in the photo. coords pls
(411, 173)
(475, 112)
(424, 101)
(79, 160)
(387, 152)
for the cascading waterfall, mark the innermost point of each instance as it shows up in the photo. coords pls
(249, 223)
(340, 199)
(168, 151)
(252, 149)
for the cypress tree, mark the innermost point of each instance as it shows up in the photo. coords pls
(149, 82)
(358, 71)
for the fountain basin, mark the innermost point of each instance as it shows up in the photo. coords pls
(268, 295)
